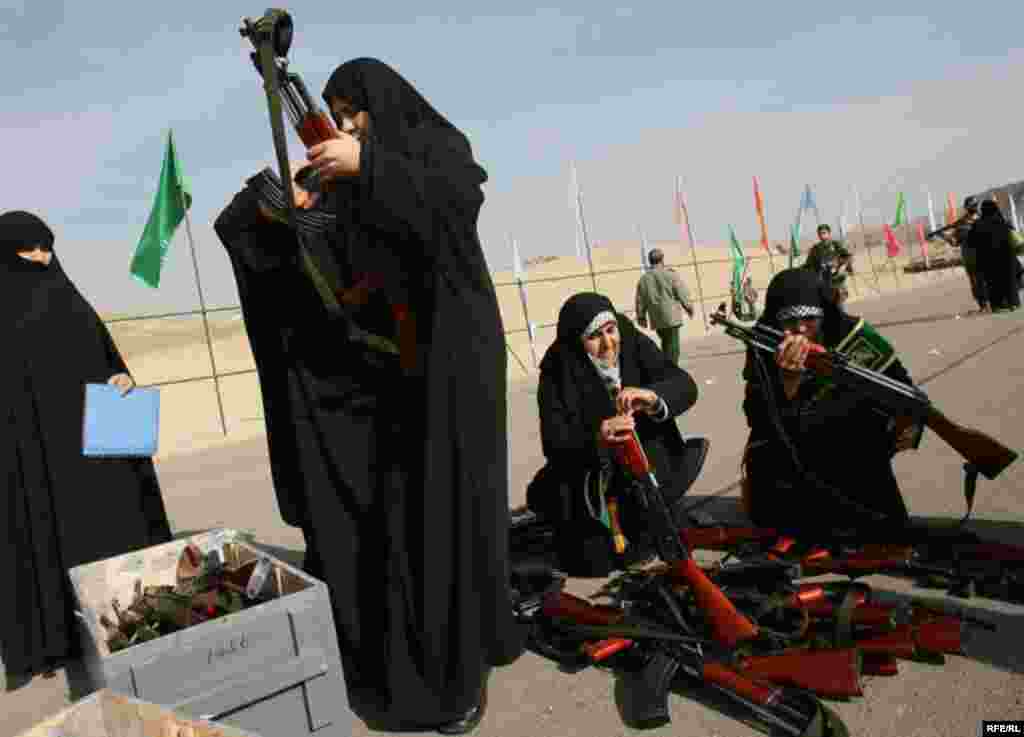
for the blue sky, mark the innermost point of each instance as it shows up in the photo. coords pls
(878, 95)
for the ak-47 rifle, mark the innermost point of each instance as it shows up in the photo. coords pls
(983, 453)
(945, 228)
(271, 36)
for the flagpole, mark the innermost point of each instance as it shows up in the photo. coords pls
(864, 239)
(685, 213)
(202, 311)
(586, 238)
(517, 271)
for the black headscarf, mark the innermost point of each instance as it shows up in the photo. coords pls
(394, 105)
(566, 359)
(20, 230)
(990, 209)
(800, 292)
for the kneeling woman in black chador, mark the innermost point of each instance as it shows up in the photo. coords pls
(600, 380)
(819, 456)
(61, 509)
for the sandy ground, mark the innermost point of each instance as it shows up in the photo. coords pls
(971, 368)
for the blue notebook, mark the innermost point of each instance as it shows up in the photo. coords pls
(120, 426)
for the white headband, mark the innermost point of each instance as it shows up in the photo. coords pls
(598, 321)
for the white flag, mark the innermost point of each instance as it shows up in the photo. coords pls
(575, 201)
(1013, 213)
(931, 212)
(517, 264)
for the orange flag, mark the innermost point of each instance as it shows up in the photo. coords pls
(950, 209)
(759, 204)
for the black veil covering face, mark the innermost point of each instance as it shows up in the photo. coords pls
(400, 479)
(61, 509)
(840, 438)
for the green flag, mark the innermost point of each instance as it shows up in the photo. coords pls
(901, 207)
(739, 263)
(173, 196)
(794, 244)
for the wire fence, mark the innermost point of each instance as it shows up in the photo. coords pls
(617, 282)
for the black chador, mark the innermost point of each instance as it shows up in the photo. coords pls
(397, 472)
(61, 509)
(826, 433)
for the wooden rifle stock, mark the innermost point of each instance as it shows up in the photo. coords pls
(982, 451)
(829, 673)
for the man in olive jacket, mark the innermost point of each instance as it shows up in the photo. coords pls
(662, 294)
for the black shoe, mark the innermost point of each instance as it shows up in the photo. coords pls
(470, 720)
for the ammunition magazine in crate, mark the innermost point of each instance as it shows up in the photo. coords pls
(274, 668)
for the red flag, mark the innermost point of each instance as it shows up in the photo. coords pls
(950, 209)
(892, 245)
(759, 204)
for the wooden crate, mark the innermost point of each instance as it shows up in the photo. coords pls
(274, 668)
(106, 714)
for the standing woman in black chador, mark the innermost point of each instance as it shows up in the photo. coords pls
(990, 238)
(600, 380)
(399, 468)
(819, 457)
(61, 509)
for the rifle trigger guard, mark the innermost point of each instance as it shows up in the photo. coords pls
(970, 487)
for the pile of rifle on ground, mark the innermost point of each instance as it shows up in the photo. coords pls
(747, 633)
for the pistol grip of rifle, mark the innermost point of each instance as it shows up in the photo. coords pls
(645, 692)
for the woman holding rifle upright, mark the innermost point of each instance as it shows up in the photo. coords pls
(818, 458)
(400, 465)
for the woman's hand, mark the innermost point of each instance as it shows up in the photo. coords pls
(905, 440)
(336, 158)
(791, 357)
(124, 382)
(631, 399)
(303, 200)
(616, 429)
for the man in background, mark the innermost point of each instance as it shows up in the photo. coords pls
(829, 258)
(662, 294)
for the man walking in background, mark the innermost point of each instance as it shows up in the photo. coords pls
(662, 294)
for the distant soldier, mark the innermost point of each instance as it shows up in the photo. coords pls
(828, 258)
(662, 294)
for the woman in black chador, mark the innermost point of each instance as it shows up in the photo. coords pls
(819, 457)
(600, 380)
(394, 466)
(61, 509)
(990, 238)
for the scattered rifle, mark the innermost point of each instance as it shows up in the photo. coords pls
(984, 454)
(773, 688)
(670, 650)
